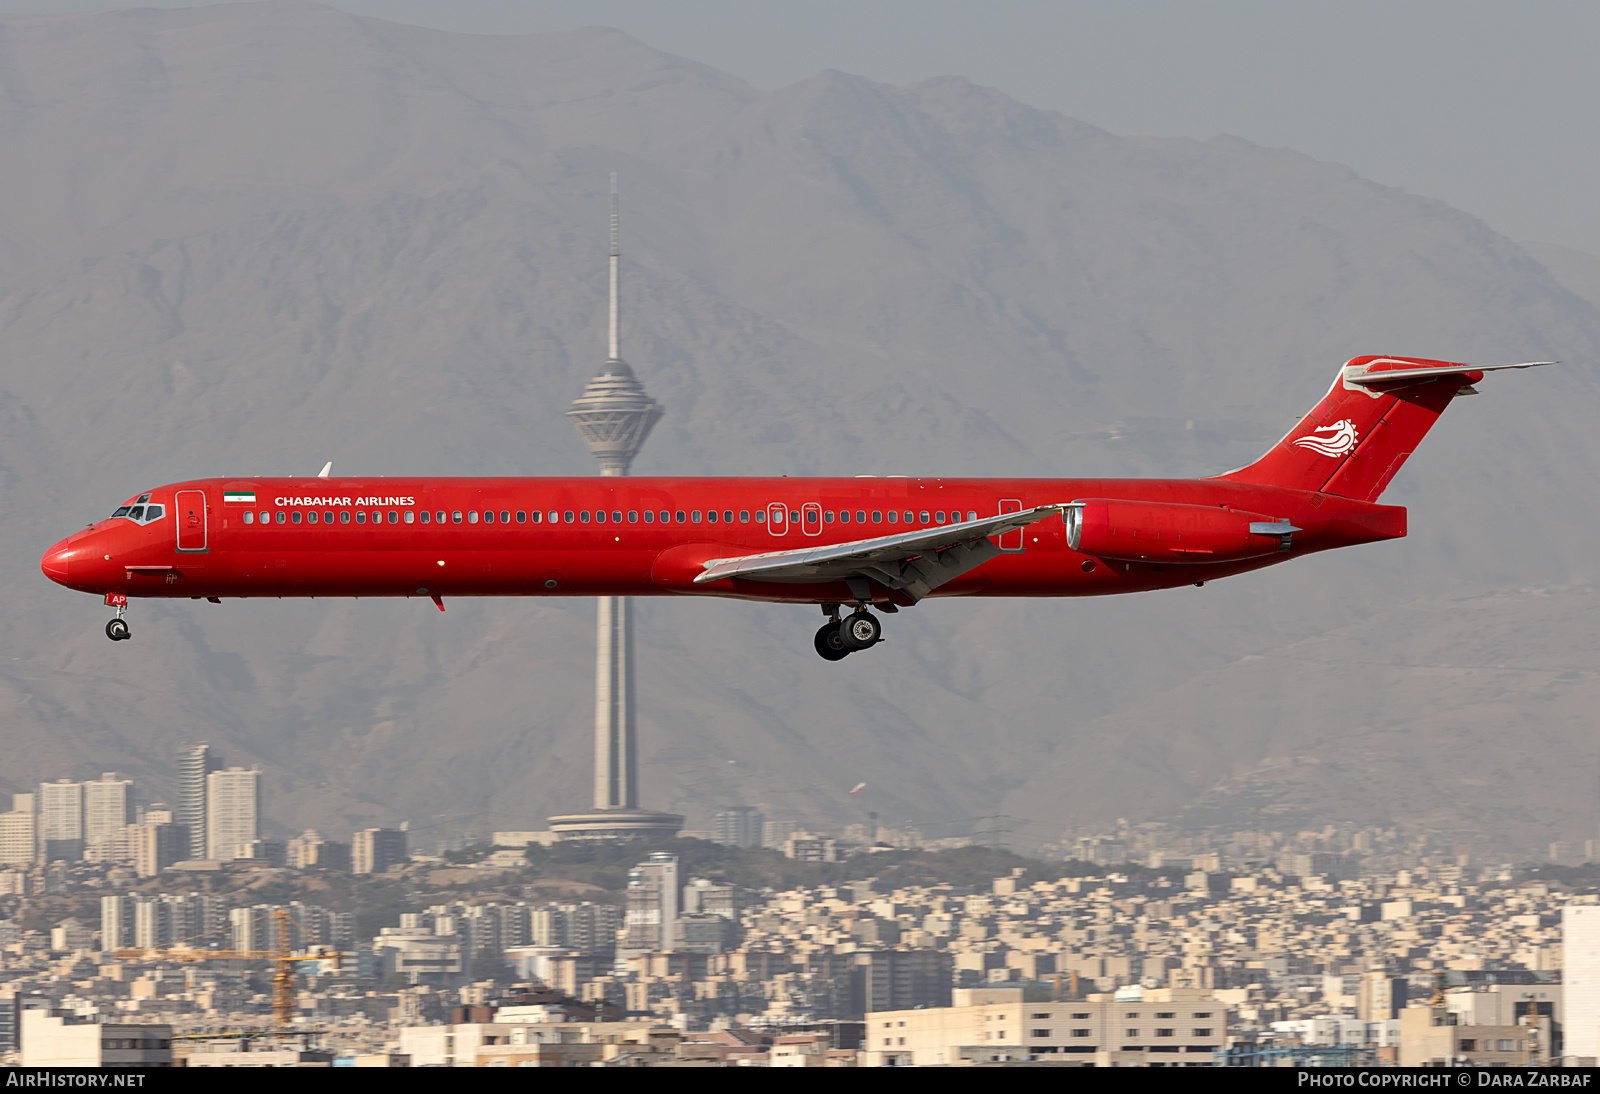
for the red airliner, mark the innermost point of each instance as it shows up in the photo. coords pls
(855, 543)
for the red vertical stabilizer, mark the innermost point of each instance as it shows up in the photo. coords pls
(1357, 438)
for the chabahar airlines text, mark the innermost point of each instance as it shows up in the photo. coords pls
(313, 502)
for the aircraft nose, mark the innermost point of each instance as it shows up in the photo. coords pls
(54, 563)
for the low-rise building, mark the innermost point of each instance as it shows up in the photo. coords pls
(1432, 1037)
(1170, 1027)
(52, 1039)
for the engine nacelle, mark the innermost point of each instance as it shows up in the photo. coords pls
(1153, 531)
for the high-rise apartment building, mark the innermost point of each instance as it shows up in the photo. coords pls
(195, 762)
(157, 845)
(374, 850)
(652, 905)
(60, 821)
(232, 811)
(19, 832)
(116, 922)
(1580, 942)
(740, 826)
(107, 808)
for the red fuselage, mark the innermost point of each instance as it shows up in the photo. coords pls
(637, 536)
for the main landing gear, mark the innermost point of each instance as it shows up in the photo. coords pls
(838, 639)
(117, 630)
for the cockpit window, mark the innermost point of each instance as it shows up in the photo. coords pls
(139, 512)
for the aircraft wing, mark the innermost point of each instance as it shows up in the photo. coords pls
(914, 563)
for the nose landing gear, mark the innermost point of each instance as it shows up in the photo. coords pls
(118, 630)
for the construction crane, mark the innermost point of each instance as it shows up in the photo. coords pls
(283, 1000)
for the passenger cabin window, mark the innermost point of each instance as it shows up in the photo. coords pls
(522, 516)
(283, 518)
(505, 516)
(311, 517)
(249, 517)
(633, 516)
(681, 516)
(394, 517)
(411, 518)
(455, 516)
(425, 516)
(488, 516)
(599, 516)
(711, 517)
(472, 516)
(695, 516)
(744, 516)
(296, 517)
(649, 516)
(361, 516)
(761, 516)
(438, 518)
(583, 516)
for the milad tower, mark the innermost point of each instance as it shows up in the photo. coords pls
(614, 415)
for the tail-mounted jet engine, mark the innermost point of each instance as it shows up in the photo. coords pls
(1152, 531)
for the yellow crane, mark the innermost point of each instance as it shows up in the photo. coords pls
(283, 965)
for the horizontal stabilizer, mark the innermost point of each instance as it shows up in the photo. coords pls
(1378, 373)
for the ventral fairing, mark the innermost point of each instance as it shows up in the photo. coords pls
(855, 546)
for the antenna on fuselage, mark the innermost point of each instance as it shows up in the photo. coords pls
(325, 469)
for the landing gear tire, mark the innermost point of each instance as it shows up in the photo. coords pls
(830, 643)
(117, 630)
(860, 630)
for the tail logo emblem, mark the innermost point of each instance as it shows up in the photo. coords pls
(1342, 437)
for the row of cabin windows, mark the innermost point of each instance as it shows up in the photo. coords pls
(583, 516)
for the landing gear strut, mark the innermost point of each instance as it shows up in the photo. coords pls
(117, 630)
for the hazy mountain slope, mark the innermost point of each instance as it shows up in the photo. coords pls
(253, 238)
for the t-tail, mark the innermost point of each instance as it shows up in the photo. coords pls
(1354, 442)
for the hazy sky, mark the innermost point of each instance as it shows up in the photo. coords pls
(1487, 105)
